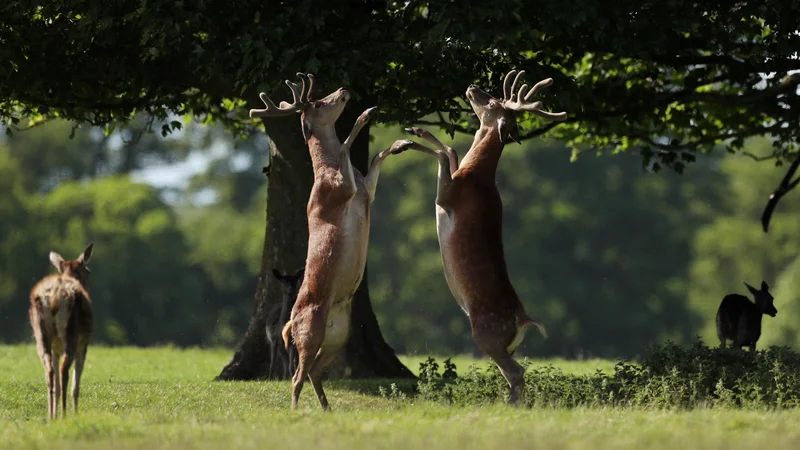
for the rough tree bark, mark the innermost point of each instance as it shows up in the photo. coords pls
(290, 179)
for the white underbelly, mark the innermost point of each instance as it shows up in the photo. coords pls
(349, 266)
(348, 270)
(338, 330)
(444, 230)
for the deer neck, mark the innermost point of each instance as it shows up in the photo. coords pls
(484, 155)
(324, 147)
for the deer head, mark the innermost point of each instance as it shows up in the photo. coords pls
(763, 299)
(501, 114)
(77, 268)
(314, 114)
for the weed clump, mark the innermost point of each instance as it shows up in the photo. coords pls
(667, 376)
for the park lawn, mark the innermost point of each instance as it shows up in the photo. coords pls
(163, 398)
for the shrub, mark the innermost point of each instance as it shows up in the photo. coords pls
(666, 377)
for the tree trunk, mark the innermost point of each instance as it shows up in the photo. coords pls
(261, 353)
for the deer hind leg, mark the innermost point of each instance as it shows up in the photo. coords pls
(50, 378)
(55, 373)
(493, 342)
(80, 358)
(70, 342)
(44, 349)
(66, 364)
(323, 361)
(514, 374)
(308, 333)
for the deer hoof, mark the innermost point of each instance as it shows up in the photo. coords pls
(401, 146)
(368, 114)
(415, 131)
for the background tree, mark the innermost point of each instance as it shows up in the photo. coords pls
(683, 76)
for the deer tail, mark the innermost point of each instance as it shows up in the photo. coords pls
(285, 333)
(530, 323)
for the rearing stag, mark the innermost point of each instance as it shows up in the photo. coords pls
(469, 225)
(338, 231)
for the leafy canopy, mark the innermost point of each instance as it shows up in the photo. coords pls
(658, 75)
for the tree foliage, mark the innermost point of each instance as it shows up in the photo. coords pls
(661, 76)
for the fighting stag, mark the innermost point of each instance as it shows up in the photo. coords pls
(469, 225)
(338, 231)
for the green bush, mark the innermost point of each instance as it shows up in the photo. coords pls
(666, 377)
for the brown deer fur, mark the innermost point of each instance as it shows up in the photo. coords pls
(338, 228)
(469, 226)
(61, 318)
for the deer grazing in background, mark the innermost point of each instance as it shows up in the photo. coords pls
(61, 317)
(338, 231)
(279, 316)
(469, 225)
(739, 319)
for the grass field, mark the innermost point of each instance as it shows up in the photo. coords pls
(164, 398)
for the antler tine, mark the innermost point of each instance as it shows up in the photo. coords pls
(505, 85)
(514, 86)
(311, 85)
(521, 101)
(537, 87)
(302, 80)
(297, 96)
(285, 108)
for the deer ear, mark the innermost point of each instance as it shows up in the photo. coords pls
(751, 288)
(86, 255)
(306, 130)
(300, 273)
(508, 130)
(57, 261)
(764, 286)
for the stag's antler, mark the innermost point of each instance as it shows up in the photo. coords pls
(298, 103)
(520, 101)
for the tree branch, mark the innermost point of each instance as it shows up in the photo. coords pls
(788, 84)
(783, 188)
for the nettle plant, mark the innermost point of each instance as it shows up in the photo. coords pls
(667, 376)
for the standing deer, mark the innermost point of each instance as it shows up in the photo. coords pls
(278, 316)
(739, 319)
(469, 226)
(61, 317)
(338, 231)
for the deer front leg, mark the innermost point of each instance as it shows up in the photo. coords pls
(398, 147)
(447, 164)
(451, 154)
(345, 166)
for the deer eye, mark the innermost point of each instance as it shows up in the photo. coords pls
(317, 105)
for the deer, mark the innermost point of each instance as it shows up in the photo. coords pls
(61, 317)
(338, 230)
(739, 319)
(279, 315)
(469, 225)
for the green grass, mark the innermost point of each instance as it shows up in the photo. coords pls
(163, 398)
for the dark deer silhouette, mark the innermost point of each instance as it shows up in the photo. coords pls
(279, 316)
(739, 319)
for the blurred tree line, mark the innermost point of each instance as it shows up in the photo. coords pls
(610, 257)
